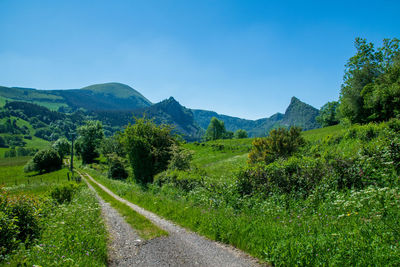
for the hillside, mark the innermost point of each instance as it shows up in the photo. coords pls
(297, 113)
(171, 112)
(300, 114)
(115, 104)
(107, 96)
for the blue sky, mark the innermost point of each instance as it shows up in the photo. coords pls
(240, 58)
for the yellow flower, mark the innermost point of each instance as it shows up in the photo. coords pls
(348, 214)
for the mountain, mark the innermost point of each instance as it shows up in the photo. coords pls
(298, 113)
(116, 104)
(171, 112)
(107, 96)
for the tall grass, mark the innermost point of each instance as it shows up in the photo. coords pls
(71, 234)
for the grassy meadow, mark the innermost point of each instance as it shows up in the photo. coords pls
(347, 214)
(66, 234)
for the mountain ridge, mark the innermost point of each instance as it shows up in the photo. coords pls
(116, 103)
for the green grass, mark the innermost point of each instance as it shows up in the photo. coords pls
(220, 158)
(50, 105)
(145, 228)
(36, 142)
(72, 234)
(3, 101)
(15, 180)
(318, 134)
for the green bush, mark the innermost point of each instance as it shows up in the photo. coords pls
(116, 169)
(45, 160)
(180, 158)
(183, 180)
(294, 175)
(64, 194)
(19, 221)
(281, 143)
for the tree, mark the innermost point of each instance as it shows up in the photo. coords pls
(62, 146)
(45, 160)
(382, 98)
(113, 145)
(328, 114)
(363, 91)
(240, 133)
(215, 130)
(148, 147)
(280, 143)
(89, 140)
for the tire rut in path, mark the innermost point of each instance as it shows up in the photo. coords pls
(180, 248)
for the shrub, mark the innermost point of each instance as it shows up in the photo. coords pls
(183, 180)
(180, 158)
(116, 169)
(294, 175)
(64, 194)
(280, 143)
(45, 160)
(239, 134)
(19, 221)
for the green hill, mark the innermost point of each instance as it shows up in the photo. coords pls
(107, 96)
(118, 90)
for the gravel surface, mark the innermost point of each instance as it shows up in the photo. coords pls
(180, 248)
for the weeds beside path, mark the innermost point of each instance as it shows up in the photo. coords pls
(180, 248)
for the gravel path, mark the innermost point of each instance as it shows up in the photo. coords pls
(180, 248)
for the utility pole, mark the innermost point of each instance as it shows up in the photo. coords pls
(71, 167)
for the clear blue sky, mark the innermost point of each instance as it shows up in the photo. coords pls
(240, 58)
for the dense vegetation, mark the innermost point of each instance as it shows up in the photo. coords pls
(39, 225)
(371, 85)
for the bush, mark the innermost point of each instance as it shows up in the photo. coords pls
(116, 169)
(45, 160)
(183, 180)
(239, 134)
(180, 158)
(294, 175)
(280, 143)
(64, 194)
(19, 221)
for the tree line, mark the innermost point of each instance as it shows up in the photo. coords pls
(371, 86)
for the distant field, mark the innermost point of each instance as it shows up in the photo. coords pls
(15, 180)
(220, 158)
(2, 101)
